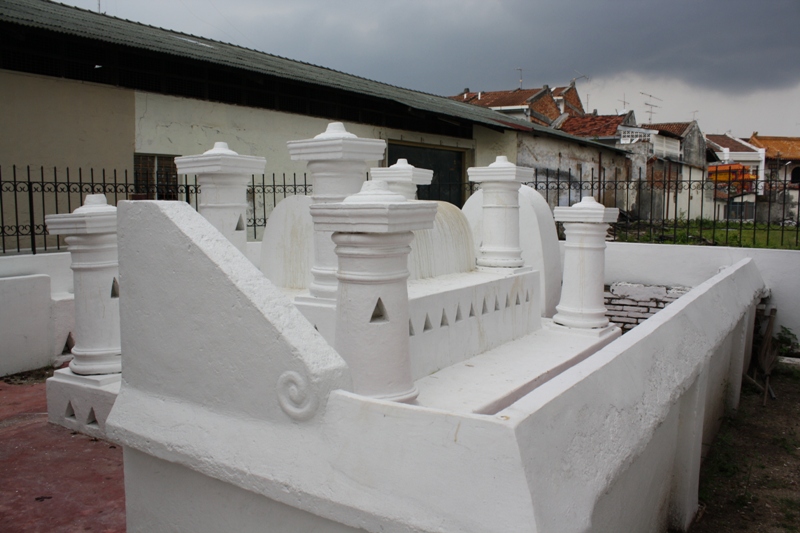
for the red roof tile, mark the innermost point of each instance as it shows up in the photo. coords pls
(726, 141)
(593, 125)
(676, 128)
(517, 97)
(788, 147)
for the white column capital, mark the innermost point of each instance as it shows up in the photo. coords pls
(500, 170)
(588, 211)
(336, 143)
(223, 176)
(403, 178)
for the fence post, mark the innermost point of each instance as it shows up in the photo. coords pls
(31, 213)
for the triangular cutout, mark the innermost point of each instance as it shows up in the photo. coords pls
(69, 344)
(471, 310)
(427, 326)
(485, 308)
(518, 302)
(379, 313)
(497, 304)
(444, 321)
(410, 328)
(458, 313)
(508, 301)
(115, 288)
(240, 224)
(91, 419)
(70, 412)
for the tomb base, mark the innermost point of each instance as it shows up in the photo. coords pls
(81, 403)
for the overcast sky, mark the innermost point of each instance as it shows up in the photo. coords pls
(734, 65)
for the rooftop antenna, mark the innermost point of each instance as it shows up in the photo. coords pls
(624, 102)
(98, 6)
(650, 111)
(580, 76)
(520, 77)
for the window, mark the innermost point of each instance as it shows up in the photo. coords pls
(155, 177)
(796, 175)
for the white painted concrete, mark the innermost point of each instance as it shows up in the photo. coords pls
(500, 183)
(246, 404)
(372, 231)
(81, 403)
(627, 408)
(223, 176)
(25, 323)
(585, 226)
(92, 240)
(538, 240)
(14, 269)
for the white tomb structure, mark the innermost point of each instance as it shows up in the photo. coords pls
(80, 397)
(441, 402)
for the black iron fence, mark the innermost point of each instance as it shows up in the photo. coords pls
(667, 204)
(28, 194)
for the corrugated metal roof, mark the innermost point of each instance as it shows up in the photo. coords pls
(70, 20)
(75, 21)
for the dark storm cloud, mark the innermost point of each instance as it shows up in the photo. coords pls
(442, 46)
(734, 46)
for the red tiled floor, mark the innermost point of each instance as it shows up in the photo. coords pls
(51, 479)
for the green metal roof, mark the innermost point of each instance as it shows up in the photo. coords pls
(83, 23)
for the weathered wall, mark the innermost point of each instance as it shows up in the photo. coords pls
(183, 126)
(491, 143)
(54, 122)
(586, 163)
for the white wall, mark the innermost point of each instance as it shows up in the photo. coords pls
(666, 264)
(37, 310)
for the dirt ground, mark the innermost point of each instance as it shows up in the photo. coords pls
(749, 480)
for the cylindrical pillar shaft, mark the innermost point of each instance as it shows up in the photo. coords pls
(91, 237)
(500, 247)
(585, 226)
(372, 308)
(582, 304)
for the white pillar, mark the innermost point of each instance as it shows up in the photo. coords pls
(337, 161)
(500, 183)
(373, 233)
(403, 178)
(91, 236)
(223, 176)
(585, 226)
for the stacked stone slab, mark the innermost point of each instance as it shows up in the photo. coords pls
(630, 304)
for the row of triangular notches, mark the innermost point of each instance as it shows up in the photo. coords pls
(485, 309)
(91, 419)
